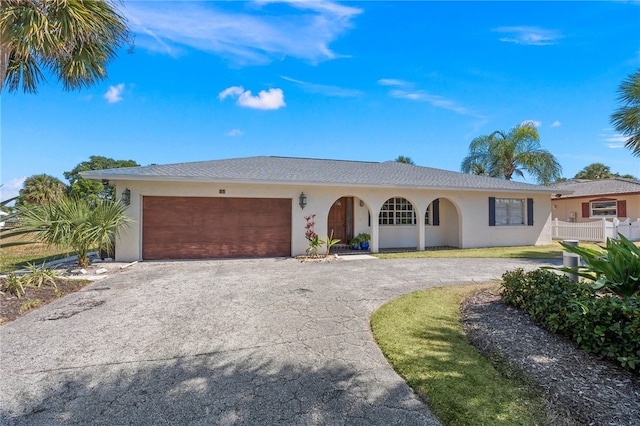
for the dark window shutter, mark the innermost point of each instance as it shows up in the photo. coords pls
(585, 210)
(622, 208)
(492, 211)
(529, 211)
(436, 211)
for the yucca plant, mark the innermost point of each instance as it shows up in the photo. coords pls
(39, 275)
(73, 223)
(616, 268)
(12, 284)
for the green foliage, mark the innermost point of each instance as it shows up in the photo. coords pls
(75, 224)
(330, 242)
(404, 159)
(363, 237)
(605, 325)
(594, 171)
(30, 304)
(502, 155)
(80, 187)
(42, 188)
(597, 171)
(626, 119)
(73, 40)
(39, 275)
(12, 284)
(616, 269)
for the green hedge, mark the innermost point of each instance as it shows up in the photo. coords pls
(602, 324)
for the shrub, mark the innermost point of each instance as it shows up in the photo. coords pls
(40, 275)
(12, 284)
(30, 304)
(605, 325)
(616, 269)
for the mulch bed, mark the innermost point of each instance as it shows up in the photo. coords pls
(580, 388)
(10, 305)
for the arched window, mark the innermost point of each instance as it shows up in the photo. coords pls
(397, 211)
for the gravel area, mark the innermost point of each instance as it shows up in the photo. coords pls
(581, 389)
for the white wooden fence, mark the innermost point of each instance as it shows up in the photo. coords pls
(598, 230)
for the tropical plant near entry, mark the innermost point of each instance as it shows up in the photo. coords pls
(616, 269)
(626, 119)
(74, 40)
(330, 242)
(503, 155)
(310, 234)
(74, 223)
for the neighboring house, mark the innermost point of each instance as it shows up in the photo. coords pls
(249, 207)
(596, 199)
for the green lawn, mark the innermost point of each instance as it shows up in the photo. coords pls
(553, 251)
(16, 257)
(421, 336)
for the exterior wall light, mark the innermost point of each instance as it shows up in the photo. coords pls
(126, 197)
(302, 200)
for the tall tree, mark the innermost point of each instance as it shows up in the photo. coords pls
(626, 119)
(503, 155)
(594, 171)
(80, 187)
(72, 39)
(403, 159)
(41, 189)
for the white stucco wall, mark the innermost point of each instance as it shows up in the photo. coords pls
(463, 214)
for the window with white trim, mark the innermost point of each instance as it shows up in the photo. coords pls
(397, 211)
(510, 211)
(604, 209)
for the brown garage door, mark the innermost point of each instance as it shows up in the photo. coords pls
(200, 228)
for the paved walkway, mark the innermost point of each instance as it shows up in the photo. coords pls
(269, 341)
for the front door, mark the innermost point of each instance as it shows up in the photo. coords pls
(341, 220)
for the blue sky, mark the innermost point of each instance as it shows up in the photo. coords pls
(343, 80)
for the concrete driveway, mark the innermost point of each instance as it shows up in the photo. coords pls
(268, 341)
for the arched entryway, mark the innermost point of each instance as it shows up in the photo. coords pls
(340, 220)
(441, 224)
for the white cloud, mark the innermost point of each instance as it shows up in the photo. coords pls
(12, 188)
(533, 123)
(235, 132)
(243, 33)
(114, 94)
(556, 124)
(324, 89)
(435, 100)
(392, 82)
(613, 140)
(532, 36)
(266, 99)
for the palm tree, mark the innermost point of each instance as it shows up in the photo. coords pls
(73, 40)
(404, 159)
(626, 119)
(594, 171)
(73, 223)
(43, 188)
(503, 155)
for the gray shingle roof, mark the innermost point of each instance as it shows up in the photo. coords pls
(309, 171)
(591, 188)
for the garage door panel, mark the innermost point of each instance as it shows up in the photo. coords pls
(199, 227)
